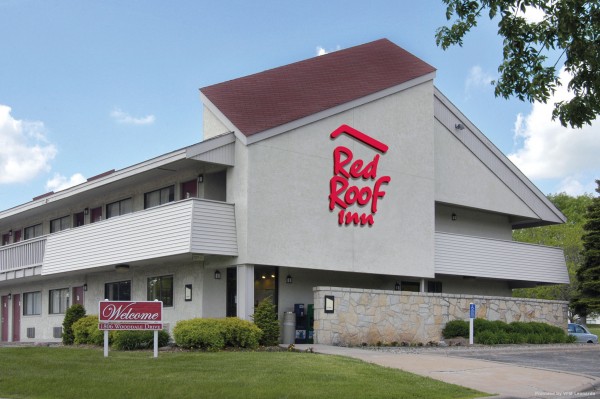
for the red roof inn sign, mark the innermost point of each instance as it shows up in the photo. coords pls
(129, 315)
(347, 172)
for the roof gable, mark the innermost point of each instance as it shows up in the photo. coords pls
(272, 98)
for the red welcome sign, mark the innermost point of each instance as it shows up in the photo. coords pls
(347, 171)
(123, 315)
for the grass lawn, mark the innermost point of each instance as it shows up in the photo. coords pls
(34, 372)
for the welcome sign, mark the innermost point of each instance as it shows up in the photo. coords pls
(355, 187)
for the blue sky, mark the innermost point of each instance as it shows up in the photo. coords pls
(86, 87)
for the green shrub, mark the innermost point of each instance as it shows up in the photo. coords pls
(72, 314)
(265, 317)
(498, 332)
(241, 333)
(131, 340)
(207, 334)
(216, 334)
(86, 332)
(456, 328)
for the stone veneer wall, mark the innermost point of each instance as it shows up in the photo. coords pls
(371, 316)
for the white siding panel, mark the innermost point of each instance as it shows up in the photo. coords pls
(213, 230)
(482, 257)
(157, 232)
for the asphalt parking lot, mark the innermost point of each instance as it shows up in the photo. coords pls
(580, 359)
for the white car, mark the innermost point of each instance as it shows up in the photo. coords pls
(582, 334)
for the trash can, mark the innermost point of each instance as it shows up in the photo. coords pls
(289, 327)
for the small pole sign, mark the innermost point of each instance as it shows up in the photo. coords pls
(130, 315)
(471, 318)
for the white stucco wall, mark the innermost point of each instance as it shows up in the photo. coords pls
(472, 222)
(463, 179)
(288, 218)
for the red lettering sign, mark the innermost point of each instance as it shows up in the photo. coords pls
(148, 312)
(347, 171)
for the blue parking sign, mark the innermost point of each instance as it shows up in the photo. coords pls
(472, 311)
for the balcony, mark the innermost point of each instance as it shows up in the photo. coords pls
(188, 226)
(463, 255)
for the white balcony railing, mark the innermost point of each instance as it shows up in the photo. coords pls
(188, 226)
(462, 255)
(22, 255)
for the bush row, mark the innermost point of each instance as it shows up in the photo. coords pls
(86, 332)
(216, 334)
(498, 332)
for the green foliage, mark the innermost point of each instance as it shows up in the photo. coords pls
(456, 328)
(587, 299)
(73, 313)
(216, 334)
(265, 317)
(86, 332)
(132, 340)
(498, 332)
(532, 50)
(241, 333)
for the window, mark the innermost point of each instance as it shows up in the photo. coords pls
(59, 301)
(159, 197)
(60, 224)
(33, 231)
(96, 214)
(32, 303)
(119, 208)
(434, 286)
(410, 286)
(118, 291)
(161, 288)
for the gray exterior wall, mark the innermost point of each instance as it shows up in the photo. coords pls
(287, 186)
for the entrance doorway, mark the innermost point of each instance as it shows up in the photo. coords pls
(266, 284)
(231, 292)
(78, 295)
(16, 300)
(4, 315)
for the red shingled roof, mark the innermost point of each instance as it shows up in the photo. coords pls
(268, 99)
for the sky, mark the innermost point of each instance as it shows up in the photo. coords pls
(90, 86)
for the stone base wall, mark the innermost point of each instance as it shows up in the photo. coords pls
(372, 316)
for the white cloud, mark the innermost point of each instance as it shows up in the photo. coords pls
(478, 79)
(60, 182)
(532, 14)
(573, 186)
(547, 150)
(24, 150)
(322, 51)
(124, 118)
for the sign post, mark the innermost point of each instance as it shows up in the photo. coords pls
(129, 315)
(471, 318)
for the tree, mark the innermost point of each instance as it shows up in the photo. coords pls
(568, 237)
(74, 313)
(265, 318)
(570, 30)
(587, 300)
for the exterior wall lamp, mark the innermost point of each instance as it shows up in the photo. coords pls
(9, 296)
(200, 178)
(10, 233)
(122, 268)
(288, 279)
(85, 287)
(454, 217)
(86, 211)
(217, 275)
(397, 286)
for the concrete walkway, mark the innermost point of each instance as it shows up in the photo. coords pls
(506, 380)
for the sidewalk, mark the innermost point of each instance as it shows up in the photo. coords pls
(495, 378)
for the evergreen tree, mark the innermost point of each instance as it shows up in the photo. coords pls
(587, 300)
(265, 318)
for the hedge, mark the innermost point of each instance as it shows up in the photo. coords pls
(216, 334)
(498, 332)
